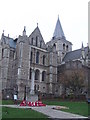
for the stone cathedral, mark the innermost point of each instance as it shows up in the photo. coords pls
(28, 65)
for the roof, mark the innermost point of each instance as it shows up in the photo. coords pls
(11, 41)
(58, 32)
(76, 54)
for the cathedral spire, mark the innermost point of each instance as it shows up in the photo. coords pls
(58, 32)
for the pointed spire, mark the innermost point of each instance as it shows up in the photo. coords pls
(25, 28)
(83, 51)
(3, 33)
(24, 31)
(58, 32)
(82, 46)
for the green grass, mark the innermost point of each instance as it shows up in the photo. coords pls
(7, 102)
(80, 108)
(21, 113)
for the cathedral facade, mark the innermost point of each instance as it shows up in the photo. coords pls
(28, 65)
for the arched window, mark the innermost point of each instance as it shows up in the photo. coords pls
(31, 56)
(67, 47)
(31, 41)
(63, 46)
(43, 76)
(40, 44)
(54, 48)
(30, 74)
(36, 40)
(43, 59)
(37, 75)
(37, 57)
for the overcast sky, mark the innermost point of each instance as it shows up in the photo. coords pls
(73, 14)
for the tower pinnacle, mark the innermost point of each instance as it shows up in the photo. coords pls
(24, 31)
(83, 51)
(3, 33)
(82, 45)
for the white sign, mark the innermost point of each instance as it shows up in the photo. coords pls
(15, 97)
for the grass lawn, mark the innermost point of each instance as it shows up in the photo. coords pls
(9, 113)
(80, 108)
(7, 102)
(21, 113)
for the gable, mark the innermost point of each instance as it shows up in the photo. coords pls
(36, 39)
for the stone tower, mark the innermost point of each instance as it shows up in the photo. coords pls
(23, 64)
(58, 46)
(52, 71)
(59, 42)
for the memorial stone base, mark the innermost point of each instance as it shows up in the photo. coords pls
(32, 98)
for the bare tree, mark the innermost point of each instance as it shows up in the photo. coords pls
(73, 81)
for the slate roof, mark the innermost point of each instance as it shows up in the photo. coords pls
(76, 54)
(58, 32)
(12, 42)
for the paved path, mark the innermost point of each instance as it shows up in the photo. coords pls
(52, 113)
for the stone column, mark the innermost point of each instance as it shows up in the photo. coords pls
(40, 76)
(32, 82)
(50, 88)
